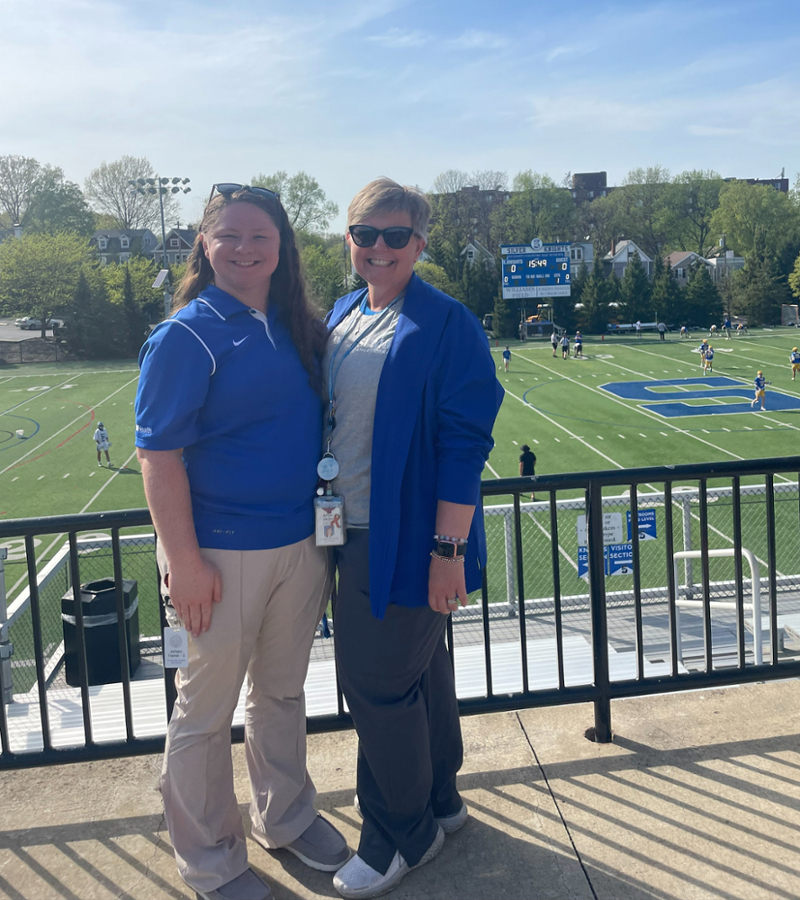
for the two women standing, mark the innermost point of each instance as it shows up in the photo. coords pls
(229, 429)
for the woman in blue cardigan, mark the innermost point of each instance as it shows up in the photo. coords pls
(412, 399)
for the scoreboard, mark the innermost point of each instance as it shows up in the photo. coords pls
(538, 270)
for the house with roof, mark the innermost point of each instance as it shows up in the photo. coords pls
(723, 263)
(118, 245)
(683, 262)
(474, 253)
(620, 255)
(179, 245)
(581, 253)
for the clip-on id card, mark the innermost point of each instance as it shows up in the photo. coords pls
(329, 520)
(176, 648)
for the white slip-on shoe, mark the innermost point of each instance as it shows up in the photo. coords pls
(360, 881)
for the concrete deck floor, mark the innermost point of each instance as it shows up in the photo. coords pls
(697, 797)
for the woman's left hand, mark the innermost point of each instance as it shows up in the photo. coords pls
(446, 582)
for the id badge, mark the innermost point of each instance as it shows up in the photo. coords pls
(329, 521)
(176, 648)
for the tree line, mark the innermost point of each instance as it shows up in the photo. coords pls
(52, 270)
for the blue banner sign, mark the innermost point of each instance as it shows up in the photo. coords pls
(617, 560)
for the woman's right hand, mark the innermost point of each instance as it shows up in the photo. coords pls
(193, 591)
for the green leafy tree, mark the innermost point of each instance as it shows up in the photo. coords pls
(749, 212)
(59, 205)
(759, 289)
(436, 276)
(19, 177)
(39, 273)
(504, 323)
(794, 278)
(635, 292)
(306, 204)
(142, 273)
(690, 204)
(134, 318)
(703, 306)
(323, 272)
(537, 208)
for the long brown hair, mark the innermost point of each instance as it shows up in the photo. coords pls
(287, 293)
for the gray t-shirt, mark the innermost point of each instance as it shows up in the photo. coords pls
(356, 378)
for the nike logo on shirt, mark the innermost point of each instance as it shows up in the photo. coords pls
(236, 343)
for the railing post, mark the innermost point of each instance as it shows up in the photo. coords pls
(6, 647)
(597, 597)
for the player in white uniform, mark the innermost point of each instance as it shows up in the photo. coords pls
(709, 360)
(103, 443)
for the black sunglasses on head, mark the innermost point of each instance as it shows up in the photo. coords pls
(226, 188)
(395, 237)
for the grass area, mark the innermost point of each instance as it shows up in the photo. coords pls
(564, 409)
(574, 423)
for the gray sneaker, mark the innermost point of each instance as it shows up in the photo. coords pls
(320, 846)
(247, 886)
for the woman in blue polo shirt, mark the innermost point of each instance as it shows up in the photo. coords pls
(412, 396)
(228, 431)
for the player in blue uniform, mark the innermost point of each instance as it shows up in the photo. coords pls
(506, 358)
(578, 345)
(794, 359)
(709, 360)
(760, 384)
(727, 326)
(684, 332)
(702, 351)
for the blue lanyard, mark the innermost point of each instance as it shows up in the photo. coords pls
(333, 373)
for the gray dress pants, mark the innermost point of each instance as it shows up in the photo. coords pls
(397, 679)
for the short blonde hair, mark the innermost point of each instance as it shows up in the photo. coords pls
(384, 196)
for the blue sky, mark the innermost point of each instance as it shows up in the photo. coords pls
(348, 90)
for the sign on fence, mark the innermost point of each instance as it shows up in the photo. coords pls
(647, 525)
(617, 560)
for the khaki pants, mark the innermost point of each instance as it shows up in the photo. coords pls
(264, 625)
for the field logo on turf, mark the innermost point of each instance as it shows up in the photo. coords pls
(717, 395)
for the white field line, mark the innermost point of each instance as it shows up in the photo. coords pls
(59, 537)
(491, 469)
(652, 416)
(34, 397)
(730, 541)
(68, 425)
(558, 425)
(74, 375)
(549, 537)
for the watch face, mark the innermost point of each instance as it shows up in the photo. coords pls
(446, 549)
(327, 468)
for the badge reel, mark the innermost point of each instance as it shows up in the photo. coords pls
(328, 508)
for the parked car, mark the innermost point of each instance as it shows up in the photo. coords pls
(29, 324)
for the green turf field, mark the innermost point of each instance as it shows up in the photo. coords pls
(561, 409)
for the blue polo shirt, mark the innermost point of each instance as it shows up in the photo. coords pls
(225, 383)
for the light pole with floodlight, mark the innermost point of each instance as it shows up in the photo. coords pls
(162, 186)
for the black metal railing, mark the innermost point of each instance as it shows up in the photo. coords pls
(556, 621)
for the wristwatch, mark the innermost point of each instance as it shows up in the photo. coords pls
(449, 549)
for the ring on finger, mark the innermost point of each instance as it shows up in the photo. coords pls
(452, 601)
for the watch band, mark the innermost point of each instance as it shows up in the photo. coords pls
(447, 548)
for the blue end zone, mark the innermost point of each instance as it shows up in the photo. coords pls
(673, 405)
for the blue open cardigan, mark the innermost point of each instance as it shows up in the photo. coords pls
(438, 397)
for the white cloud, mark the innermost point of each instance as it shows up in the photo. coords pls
(400, 39)
(478, 40)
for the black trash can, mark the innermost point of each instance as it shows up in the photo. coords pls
(100, 631)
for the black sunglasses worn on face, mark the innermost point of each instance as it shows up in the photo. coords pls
(395, 237)
(226, 188)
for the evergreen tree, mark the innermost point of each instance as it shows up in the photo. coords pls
(95, 324)
(667, 298)
(593, 316)
(503, 321)
(635, 292)
(135, 320)
(703, 306)
(479, 285)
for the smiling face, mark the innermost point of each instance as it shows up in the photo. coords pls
(386, 271)
(243, 247)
